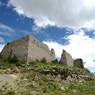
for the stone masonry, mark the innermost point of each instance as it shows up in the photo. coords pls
(66, 59)
(28, 49)
(78, 63)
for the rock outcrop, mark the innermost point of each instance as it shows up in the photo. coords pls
(78, 63)
(66, 59)
(28, 49)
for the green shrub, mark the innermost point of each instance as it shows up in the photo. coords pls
(43, 60)
(14, 59)
(10, 93)
(55, 61)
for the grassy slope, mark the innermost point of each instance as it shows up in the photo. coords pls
(39, 78)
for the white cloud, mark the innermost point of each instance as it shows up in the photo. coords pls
(19, 10)
(43, 22)
(59, 12)
(2, 40)
(6, 27)
(6, 30)
(80, 46)
(1, 47)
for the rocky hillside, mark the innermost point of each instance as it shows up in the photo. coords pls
(42, 78)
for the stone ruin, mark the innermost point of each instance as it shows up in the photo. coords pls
(78, 63)
(67, 60)
(28, 49)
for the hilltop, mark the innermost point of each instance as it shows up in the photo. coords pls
(42, 78)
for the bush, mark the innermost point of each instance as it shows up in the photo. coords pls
(14, 59)
(44, 60)
(55, 61)
(0, 56)
(10, 93)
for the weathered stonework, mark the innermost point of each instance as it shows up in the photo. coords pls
(28, 49)
(66, 59)
(78, 63)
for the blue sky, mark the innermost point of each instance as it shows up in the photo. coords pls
(61, 24)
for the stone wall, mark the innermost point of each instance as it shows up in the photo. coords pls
(28, 49)
(38, 50)
(16, 48)
(66, 59)
(78, 63)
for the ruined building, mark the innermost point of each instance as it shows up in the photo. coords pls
(28, 49)
(66, 59)
(78, 63)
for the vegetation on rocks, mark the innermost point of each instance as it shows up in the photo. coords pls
(42, 78)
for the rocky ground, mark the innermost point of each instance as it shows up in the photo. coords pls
(41, 78)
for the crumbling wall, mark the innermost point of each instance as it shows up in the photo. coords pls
(38, 50)
(78, 63)
(28, 49)
(66, 59)
(16, 48)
